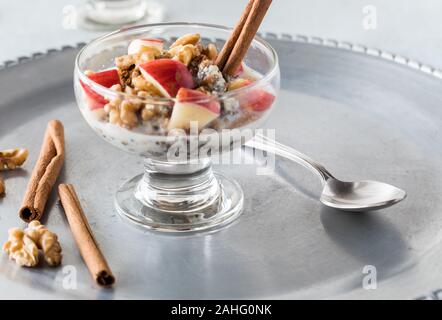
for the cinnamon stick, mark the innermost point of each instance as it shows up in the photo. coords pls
(254, 19)
(45, 172)
(84, 238)
(230, 43)
(2, 187)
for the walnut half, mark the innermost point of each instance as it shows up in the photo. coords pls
(45, 240)
(191, 38)
(12, 158)
(21, 248)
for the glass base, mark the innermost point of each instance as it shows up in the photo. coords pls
(110, 15)
(204, 206)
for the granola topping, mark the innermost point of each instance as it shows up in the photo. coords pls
(187, 73)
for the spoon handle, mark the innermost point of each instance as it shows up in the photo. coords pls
(263, 143)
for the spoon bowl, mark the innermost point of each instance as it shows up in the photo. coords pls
(360, 196)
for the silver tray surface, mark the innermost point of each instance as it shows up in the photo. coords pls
(364, 117)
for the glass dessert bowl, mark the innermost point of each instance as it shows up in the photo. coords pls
(155, 91)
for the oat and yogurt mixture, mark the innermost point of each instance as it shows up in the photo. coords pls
(185, 71)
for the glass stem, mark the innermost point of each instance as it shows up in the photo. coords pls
(178, 188)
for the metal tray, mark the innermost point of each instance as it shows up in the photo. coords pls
(363, 113)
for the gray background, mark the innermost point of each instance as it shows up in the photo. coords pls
(406, 27)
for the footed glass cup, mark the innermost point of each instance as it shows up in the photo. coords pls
(178, 191)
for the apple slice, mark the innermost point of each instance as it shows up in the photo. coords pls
(256, 99)
(193, 105)
(239, 71)
(167, 75)
(238, 83)
(140, 45)
(107, 79)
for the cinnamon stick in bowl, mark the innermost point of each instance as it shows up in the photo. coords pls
(45, 172)
(88, 246)
(235, 48)
(230, 43)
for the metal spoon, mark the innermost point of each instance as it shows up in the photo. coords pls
(347, 196)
